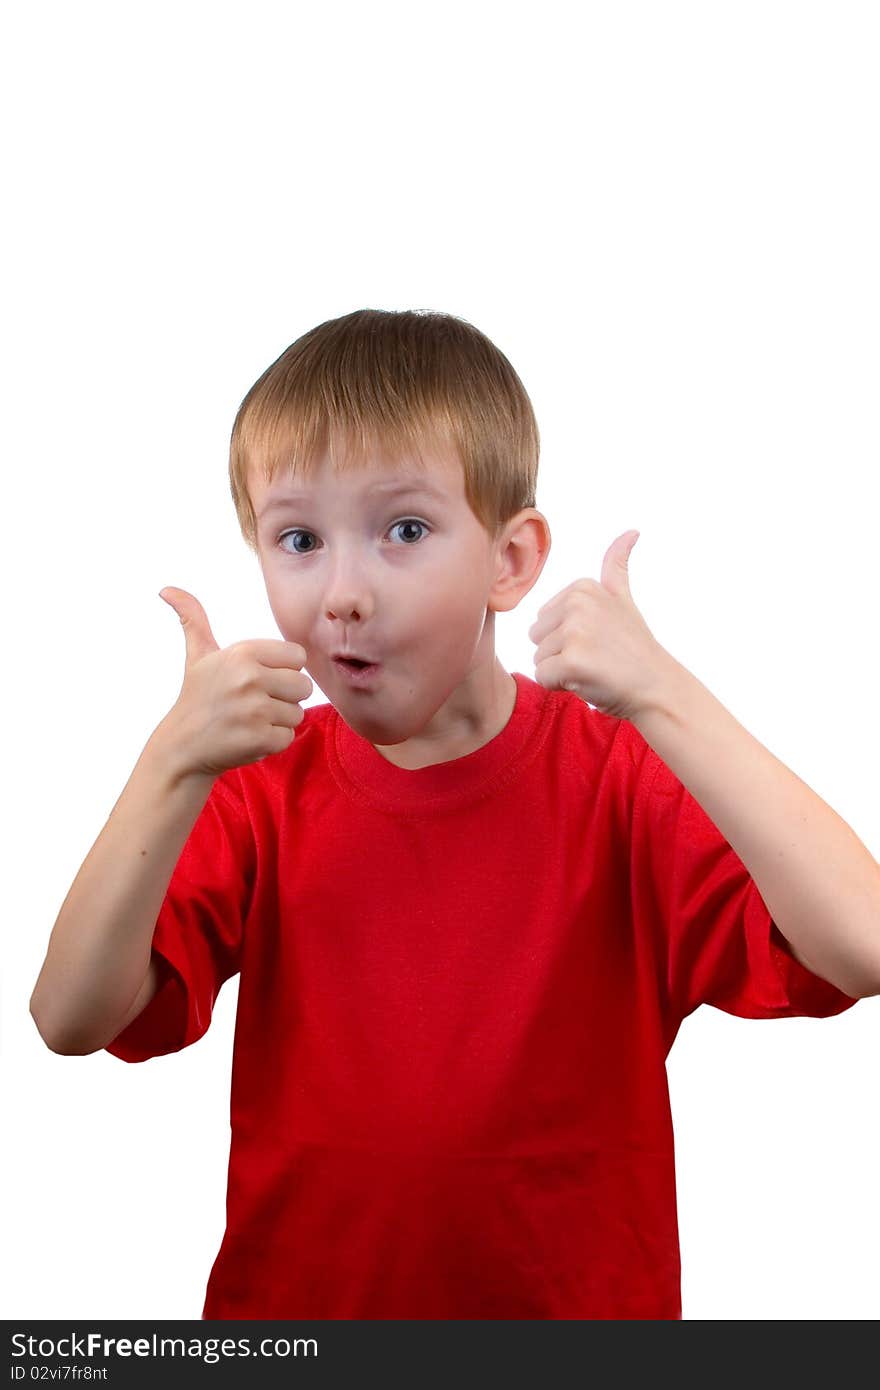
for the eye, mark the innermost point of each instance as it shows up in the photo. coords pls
(297, 532)
(300, 531)
(410, 521)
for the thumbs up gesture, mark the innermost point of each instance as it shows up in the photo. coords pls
(237, 704)
(593, 641)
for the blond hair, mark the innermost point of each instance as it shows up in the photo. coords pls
(390, 381)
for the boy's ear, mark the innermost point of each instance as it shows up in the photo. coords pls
(522, 552)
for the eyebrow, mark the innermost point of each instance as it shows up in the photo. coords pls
(392, 488)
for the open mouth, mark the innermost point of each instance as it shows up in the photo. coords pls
(358, 672)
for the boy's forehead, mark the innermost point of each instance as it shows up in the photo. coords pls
(435, 477)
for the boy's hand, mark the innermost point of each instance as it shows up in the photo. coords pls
(593, 641)
(236, 705)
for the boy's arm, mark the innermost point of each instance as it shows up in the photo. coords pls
(818, 881)
(142, 998)
(820, 884)
(98, 973)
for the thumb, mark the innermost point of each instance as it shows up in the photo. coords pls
(196, 629)
(615, 566)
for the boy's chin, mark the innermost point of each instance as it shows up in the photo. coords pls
(375, 730)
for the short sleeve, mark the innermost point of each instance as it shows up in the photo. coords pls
(198, 934)
(716, 940)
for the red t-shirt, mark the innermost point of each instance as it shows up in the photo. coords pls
(459, 985)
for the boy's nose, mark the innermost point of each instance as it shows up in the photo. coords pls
(351, 603)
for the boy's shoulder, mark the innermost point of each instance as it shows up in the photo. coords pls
(235, 788)
(602, 739)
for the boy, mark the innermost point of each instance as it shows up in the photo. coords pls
(469, 910)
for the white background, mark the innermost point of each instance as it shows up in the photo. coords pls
(666, 216)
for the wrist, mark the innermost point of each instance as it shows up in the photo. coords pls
(167, 749)
(663, 692)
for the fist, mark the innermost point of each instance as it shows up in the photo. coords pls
(593, 641)
(238, 704)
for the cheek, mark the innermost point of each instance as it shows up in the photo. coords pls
(445, 602)
(451, 621)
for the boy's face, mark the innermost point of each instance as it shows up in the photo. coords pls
(407, 579)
